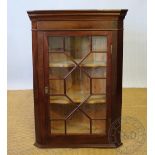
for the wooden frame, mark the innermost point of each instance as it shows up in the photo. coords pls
(76, 23)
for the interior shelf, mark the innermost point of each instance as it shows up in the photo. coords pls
(62, 64)
(70, 63)
(64, 100)
(93, 64)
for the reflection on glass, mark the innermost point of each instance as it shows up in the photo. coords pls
(96, 72)
(78, 123)
(77, 47)
(56, 86)
(96, 109)
(99, 127)
(59, 72)
(60, 60)
(95, 60)
(60, 107)
(97, 99)
(57, 127)
(98, 86)
(55, 44)
(59, 100)
(78, 86)
(99, 43)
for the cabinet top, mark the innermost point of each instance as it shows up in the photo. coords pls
(77, 14)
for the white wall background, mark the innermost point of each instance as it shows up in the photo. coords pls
(19, 37)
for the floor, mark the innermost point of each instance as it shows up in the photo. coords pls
(21, 126)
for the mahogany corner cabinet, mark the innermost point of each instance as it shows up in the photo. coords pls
(77, 77)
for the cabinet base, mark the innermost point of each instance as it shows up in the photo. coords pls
(78, 145)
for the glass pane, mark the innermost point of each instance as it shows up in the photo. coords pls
(59, 72)
(60, 60)
(56, 86)
(98, 86)
(77, 47)
(96, 99)
(55, 44)
(60, 107)
(57, 127)
(77, 74)
(78, 123)
(95, 107)
(95, 60)
(99, 43)
(78, 86)
(96, 72)
(99, 127)
(59, 100)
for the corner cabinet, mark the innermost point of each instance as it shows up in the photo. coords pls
(77, 76)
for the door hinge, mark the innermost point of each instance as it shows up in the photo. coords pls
(46, 90)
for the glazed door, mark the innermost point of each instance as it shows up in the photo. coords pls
(77, 82)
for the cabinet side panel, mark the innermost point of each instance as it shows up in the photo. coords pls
(119, 71)
(117, 62)
(35, 83)
(119, 78)
(39, 106)
(114, 75)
